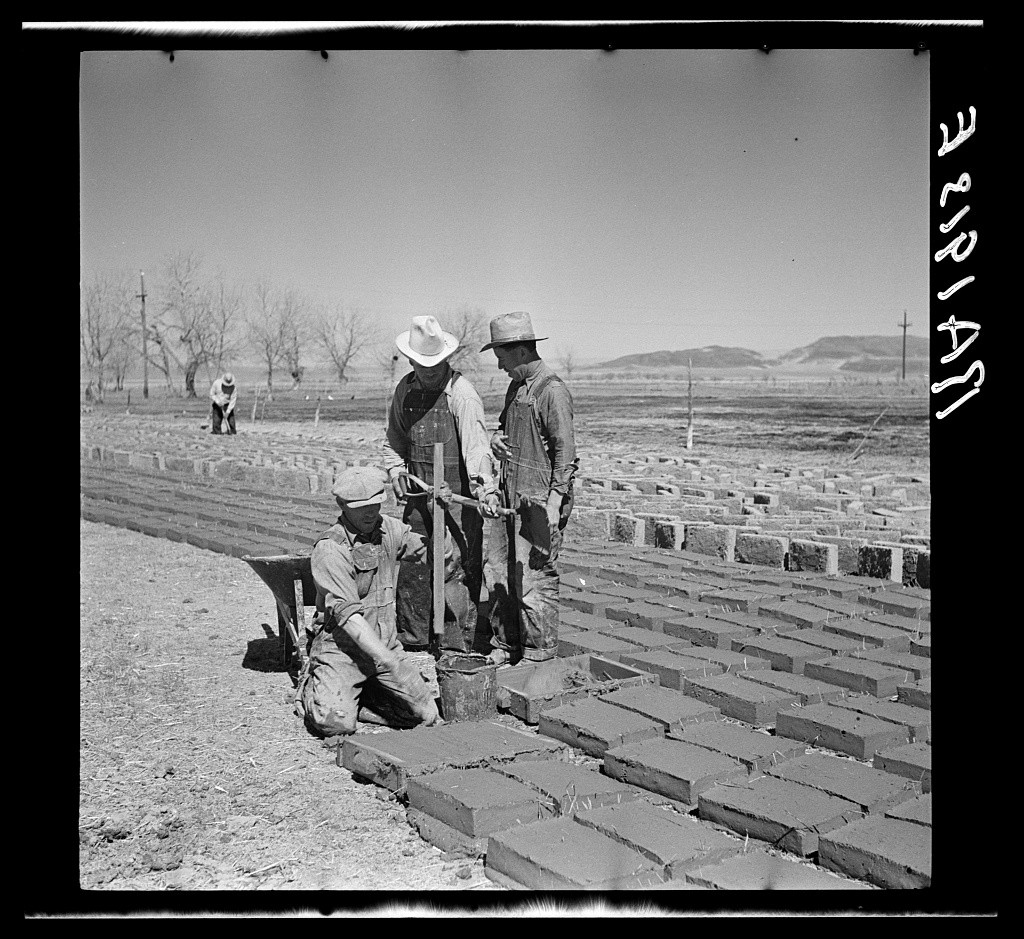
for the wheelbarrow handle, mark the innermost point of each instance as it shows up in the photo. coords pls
(461, 500)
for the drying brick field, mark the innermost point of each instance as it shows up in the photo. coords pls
(742, 699)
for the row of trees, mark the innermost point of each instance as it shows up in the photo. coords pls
(195, 320)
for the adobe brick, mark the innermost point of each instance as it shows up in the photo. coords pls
(587, 601)
(672, 709)
(813, 556)
(593, 726)
(756, 869)
(646, 615)
(916, 694)
(870, 633)
(565, 788)
(918, 666)
(806, 690)
(584, 621)
(871, 790)
(788, 815)
(669, 533)
(743, 600)
(646, 639)
(677, 842)
(561, 854)
(915, 627)
(857, 673)
(783, 655)
(918, 721)
(754, 749)
(835, 728)
(884, 561)
(918, 810)
(627, 528)
(922, 647)
(738, 698)
(898, 602)
(762, 625)
(594, 643)
(912, 760)
(714, 540)
(672, 768)
(670, 667)
(829, 643)
(793, 611)
(706, 631)
(889, 852)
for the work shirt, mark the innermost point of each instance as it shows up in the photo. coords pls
(555, 412)
(357, 573)
(468, 410)
(222, 398)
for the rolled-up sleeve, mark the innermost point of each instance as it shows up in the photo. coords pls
(334, 574)
(468, 410)
(395, 446)
(556, 410)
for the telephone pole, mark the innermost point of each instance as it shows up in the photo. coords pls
(145, 350)
(904, 324)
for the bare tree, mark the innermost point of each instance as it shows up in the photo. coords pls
(105, 324)
(293, 316)
(227, 310)
(469, 326)
(567, 362)
(264, 331)
(342, 335)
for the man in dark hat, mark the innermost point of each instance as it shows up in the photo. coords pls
(536, 447)
(356, 667)
(224, 396)
(437, 404)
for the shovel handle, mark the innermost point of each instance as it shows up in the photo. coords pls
(460, 500)
(438, 572)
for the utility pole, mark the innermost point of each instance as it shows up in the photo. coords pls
(145, 350)
(904, 324)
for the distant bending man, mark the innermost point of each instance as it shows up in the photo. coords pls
(356, 668)
(224, 396)
(536, 446)
(437, 404)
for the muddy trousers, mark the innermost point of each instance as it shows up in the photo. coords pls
(217, 417)
(413, 597)
(342, 686)
(523, 587)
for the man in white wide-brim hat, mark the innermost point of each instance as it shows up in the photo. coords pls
(535, 445)
(437, 404)
(223, 397)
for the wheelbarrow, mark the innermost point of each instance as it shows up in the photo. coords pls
(290, 579)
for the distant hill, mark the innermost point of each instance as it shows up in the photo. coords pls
(871, 354)
(707, 357)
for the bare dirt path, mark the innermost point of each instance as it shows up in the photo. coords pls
(195, 774)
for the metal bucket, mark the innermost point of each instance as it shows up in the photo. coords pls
(468, 685)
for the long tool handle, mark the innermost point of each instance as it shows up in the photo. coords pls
(460, 500)
(438, 571)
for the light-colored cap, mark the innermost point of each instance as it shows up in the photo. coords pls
(426, 342)
(361, 485)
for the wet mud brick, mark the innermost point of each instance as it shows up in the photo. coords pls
(756, 751)
(805, 690)
(583, 621)
(907, 663)
(889, 852)
(835, 728)
(759, 870)
(672, 768)
(586, 601)
(857, 674)
(790, 816)
(784, 655)
(828, 643)
(740, 600)
(917, 810)
(738, 698)
(592, 642)
(646, 639)
(917, 694)
(390, 760)
(520, 692)
(563, 855)
(709, 632)
(728, 660)
(762, 625)
(895, 601)
(672, 709)
(838, 608)
(801, 615)
(593, 726)
(671, 668)
(916, 627)
(676, 842)
(566, 788)
(870, 634)
(872, 790)
(918, 721)
(922, 646)
(458, 809)
(913, 760)
(652, 615)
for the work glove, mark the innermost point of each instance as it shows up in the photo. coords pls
(400, 487)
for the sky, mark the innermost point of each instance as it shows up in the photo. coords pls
(632, 201)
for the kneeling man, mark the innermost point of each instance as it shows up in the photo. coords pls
(356, 667)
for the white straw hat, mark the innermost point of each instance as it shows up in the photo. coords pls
(426, 342)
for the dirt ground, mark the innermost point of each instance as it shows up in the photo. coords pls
(195, 774)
